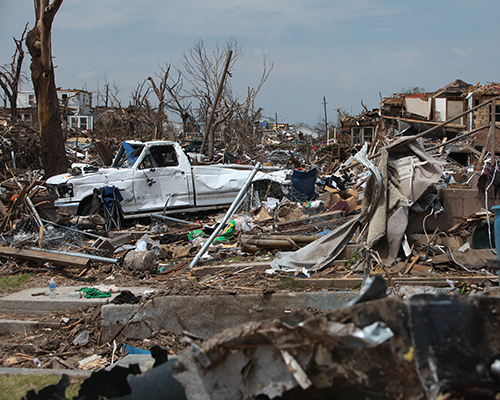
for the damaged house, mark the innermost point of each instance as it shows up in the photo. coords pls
(413, 113)
(76, 108)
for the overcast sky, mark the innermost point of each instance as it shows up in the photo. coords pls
(341, 49)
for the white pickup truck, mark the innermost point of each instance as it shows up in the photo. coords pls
(156, 177)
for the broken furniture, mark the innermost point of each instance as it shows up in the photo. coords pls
(110, 198)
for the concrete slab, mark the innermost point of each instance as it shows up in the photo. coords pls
(27, 301)
(207, 315)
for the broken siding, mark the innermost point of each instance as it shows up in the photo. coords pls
(418, 106)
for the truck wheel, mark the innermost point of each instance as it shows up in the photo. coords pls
(85, 207)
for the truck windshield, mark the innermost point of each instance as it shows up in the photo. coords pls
(127, 155)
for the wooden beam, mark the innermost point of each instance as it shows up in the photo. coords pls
(63, 260)
(242, 267)
(458, 126)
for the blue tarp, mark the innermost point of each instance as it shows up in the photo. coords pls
(132, 158)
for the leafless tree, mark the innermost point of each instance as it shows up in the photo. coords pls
(38, 41)
(177, 103)
(203, 71)
(65, 127)
(11, 75)
(140, 96)
(107, 97)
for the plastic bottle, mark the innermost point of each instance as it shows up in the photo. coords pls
(75, 295)
(52, 288)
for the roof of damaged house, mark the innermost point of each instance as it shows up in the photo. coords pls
(456, 88)
(362, 118)
(491, 89)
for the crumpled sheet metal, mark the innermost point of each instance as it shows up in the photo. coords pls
(273, 357)
(415, 172)
(320, 253)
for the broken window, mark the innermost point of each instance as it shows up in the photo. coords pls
(83, 123)
(360, 135)
(356, 136)
(127, 155)
(367, 134)
(31, 99)
(73, 122)
(159, 157)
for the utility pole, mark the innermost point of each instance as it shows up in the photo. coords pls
(326, 122)
(276, 125)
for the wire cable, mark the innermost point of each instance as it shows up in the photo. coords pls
(451, 254)
(487, 210)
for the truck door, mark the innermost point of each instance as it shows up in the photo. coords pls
(160, 180)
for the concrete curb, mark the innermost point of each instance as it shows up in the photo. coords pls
(207, 315)
(29, 301)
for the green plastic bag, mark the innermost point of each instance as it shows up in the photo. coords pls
(195, 234)
(227, 233)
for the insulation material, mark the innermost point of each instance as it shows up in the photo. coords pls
(410, 171)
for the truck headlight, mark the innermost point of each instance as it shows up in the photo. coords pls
(65, 190)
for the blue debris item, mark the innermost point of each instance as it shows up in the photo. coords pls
(131, 153)
(110, 200)
(303, 184)
(126, 349)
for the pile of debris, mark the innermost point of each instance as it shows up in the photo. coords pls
(401, 208)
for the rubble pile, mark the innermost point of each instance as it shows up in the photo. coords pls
(19, 150)
(72, 341)
(413, 209)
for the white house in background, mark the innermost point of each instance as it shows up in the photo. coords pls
(306, 131)
(79, 104)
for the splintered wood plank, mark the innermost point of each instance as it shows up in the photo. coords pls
(229, 268)
(63, 260)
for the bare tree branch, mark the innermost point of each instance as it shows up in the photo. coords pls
(11, 75)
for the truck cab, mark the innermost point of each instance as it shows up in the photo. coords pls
(149, 176)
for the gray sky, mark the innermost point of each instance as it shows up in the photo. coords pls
(342, 49)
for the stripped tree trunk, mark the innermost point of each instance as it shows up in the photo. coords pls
(38, 41)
